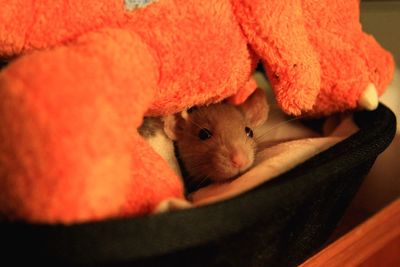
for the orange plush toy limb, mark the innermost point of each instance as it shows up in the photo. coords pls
(88, 71)
(355, 68)
(69, 140)
(317, 58)
(276, 31)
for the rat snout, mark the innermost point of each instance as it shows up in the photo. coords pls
(239, 160)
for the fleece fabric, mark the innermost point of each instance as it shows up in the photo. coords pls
(86, 72)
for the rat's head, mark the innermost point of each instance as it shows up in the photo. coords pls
(216, 141)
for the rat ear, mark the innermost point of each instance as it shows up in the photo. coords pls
(174, 125)
(255, 108)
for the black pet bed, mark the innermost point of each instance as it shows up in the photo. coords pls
(280, 223)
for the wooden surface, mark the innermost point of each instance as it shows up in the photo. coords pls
(374, 243)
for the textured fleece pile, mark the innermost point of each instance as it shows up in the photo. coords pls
(86, 72)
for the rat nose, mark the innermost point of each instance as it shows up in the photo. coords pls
(238, 160)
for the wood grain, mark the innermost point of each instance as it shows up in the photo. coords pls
(374, 243)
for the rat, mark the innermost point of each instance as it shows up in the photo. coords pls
(217, 142)
(152, 130)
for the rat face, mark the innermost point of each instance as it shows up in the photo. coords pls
(215, 142)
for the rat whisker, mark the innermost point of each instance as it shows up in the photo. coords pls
(195, 157)
(277, 126)
(206, 142)
(196, 174)
(194, 123)
(188, 133)
(197, 185)
(196, 162)
(275, 113)
(205, 179)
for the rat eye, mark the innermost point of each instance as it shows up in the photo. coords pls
(204, 134)
(249, 132)
(190, 110)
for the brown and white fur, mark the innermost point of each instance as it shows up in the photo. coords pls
(216, 142)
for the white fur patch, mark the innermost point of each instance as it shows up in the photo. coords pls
(134, 4)
(165, 148)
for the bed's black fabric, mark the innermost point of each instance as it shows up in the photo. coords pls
(279, 223)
